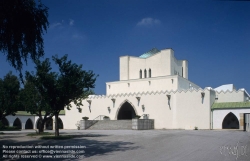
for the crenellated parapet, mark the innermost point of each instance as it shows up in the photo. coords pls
(150, 93)
(232, 95)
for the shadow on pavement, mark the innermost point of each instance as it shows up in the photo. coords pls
(89, 147)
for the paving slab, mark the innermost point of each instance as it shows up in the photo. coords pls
(141, 145)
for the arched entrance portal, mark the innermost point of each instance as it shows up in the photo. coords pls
(60, 123)
(29, 124)
(230, 122)
(17, 123)
(48, 124)
(5, 122)
(126, 112)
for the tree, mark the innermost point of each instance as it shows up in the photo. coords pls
(34, 103)
(22, 23)
(60, 90)
(9, 95)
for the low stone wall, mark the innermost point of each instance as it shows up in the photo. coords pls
(142, 124)
(84, 124)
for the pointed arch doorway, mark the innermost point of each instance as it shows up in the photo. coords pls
(17, 123)
(126, 112)
(230, 122)
(29, 124)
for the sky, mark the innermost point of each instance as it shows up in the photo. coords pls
(214, 36)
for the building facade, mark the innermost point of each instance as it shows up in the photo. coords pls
(156, 86)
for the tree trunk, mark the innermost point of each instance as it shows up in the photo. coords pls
(41, 125)
(56, 124)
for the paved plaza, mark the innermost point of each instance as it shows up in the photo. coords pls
(147, 145)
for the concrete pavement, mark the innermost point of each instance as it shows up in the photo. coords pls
(147, 145)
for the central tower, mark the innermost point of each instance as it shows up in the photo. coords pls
(154, 63)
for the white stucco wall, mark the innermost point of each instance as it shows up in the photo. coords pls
(169, 83)
(142, 85)
(185, 111)
(124, 61)
(184, 84)
(192, 110)
(231, 96)
(185, 68)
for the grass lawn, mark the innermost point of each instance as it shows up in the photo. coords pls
(7, 128)
(40, 134)
(61, 137)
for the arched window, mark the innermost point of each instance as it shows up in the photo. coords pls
(140, 73)
(145, 73)
(149, 73)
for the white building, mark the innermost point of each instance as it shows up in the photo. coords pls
(156, 85)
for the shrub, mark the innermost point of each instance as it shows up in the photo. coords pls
(85, 118)
(195, 128)
(10, 128)
(137, 116)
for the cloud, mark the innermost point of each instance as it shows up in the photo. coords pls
(53, 25)
(65, 30)
(62, 24)
(77, 36)
(57, 24)
(148, 22)
(71, 22)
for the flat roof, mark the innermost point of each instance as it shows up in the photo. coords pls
(25, 113)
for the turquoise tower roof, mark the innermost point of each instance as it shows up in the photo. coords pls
(149, 53)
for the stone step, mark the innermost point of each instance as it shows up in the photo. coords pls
(112, 125)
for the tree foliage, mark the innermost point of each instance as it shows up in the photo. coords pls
(59, 90)
(34, 103)
(9, 95)
(22, 23)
